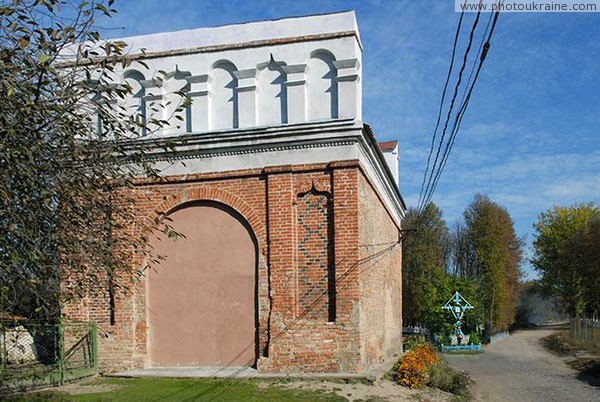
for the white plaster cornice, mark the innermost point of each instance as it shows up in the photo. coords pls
(258, 147)
(379, 171)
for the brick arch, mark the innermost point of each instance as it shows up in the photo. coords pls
(209, 194)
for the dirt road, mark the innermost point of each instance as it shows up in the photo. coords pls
(518, 368)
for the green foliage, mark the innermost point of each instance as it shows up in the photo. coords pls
(412, 341)
(424, 279)
(482, 255)
(462, 259)
(497, 255)
(447, 379)
(427, 254)
(63, 192)
(444, 337)
(566, 254)
(474, 338)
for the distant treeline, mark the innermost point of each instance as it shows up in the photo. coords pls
(480, 256)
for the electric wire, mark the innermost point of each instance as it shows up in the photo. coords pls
(437, 124)
(484, 46)
(462, 109)
(450, 110)
(481, 44)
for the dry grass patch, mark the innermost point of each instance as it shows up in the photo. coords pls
(587, 357)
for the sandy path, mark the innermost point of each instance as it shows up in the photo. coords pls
(380, 391)
(518, 368)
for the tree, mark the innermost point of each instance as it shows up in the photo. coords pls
(567, 256)
(63, 180)
(461, 253)
(497, 257)
(590, 262)
(425, 284)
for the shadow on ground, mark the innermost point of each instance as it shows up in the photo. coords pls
(590, 373)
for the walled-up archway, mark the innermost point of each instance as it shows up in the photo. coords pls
(202, 298)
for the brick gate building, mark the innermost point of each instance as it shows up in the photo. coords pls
(291, 259)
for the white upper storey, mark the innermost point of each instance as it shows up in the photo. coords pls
(263, 94)
(267, 73)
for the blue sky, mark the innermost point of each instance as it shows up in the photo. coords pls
(531, 136)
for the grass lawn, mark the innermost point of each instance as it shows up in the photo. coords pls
(169, 389)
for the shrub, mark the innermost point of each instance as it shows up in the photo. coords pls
(474, 339)
(444, 339)
(412, 368)
(449, 380)
(413, 341)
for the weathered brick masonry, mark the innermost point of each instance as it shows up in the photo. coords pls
(329, 267)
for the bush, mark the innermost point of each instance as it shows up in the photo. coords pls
(413, 341)
(449, 380)
(412, 368)
(444, 339)
(474, 339)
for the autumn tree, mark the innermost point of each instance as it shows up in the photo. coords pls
(67, 145)
(497, 253)
(567, 256)
(461, 256)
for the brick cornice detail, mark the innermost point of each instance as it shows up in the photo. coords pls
(321, 185)
(352, 163)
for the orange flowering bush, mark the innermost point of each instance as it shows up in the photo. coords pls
(412, 368)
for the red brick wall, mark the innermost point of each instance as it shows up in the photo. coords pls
(314, 262)
(380, 279)
(301, 339)
(307, 223)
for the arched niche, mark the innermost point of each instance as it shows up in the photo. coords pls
(224, 98)
(322, 86)
(173, 83)
(272, 93)
(135, 104)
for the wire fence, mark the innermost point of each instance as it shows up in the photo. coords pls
(586, 329)
(34, 355)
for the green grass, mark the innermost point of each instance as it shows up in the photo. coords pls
(168, 389)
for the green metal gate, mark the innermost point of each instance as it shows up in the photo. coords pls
(34, 354)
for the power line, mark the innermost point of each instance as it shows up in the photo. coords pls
(450, 109)
(465, 103)
(434, 175)
(481, 44)
(437, 124)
